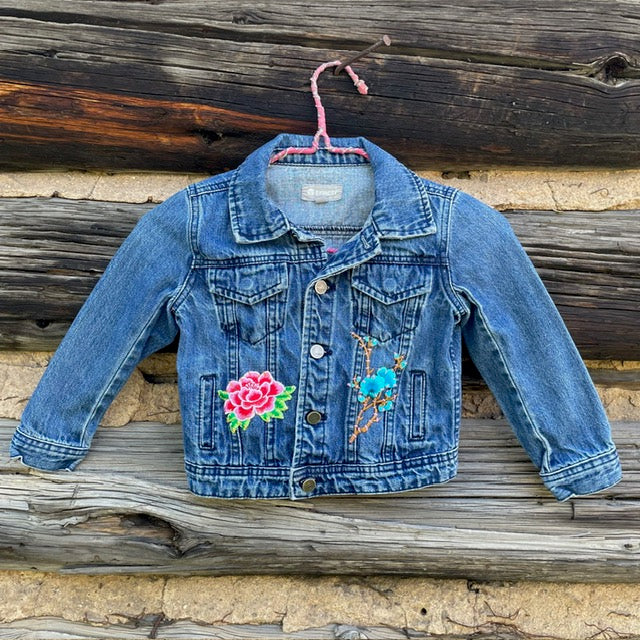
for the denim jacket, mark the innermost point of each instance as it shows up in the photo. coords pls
(321, 303)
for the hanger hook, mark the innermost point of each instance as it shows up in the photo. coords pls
(322, 124)
(386, 40)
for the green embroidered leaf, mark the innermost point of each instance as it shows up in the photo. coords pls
(281, 404)
(283, 396)
(274, 413)
(223, 394)
(289, 390)
(234, 423)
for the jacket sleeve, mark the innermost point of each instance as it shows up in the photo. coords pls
(521, 346)
(127, 316)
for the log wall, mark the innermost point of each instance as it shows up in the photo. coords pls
(194, 85)
(52, 252)
(185, 85)
(126, 509)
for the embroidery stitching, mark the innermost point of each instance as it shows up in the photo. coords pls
(254, 394)
(375, 391)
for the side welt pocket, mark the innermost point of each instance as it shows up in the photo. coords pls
(418, 405)
(207, 411)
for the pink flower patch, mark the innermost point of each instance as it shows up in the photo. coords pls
(254, 394)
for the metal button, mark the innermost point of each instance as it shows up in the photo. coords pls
(313, 416)
(321, 287)
(308, 485)
(317, 351)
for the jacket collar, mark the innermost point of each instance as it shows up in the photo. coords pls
(401, 208)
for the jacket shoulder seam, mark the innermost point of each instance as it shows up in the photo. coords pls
(457, 301)
(192, 235)
(210, 185)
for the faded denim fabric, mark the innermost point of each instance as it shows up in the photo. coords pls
(321, 304)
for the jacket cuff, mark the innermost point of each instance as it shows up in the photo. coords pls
(587, 476)
(43, 454)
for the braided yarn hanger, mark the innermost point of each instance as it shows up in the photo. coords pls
(322, 125)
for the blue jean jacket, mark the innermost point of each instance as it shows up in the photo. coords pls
(321, 304)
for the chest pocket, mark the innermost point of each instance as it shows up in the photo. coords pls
(250, 300)
(388, 299)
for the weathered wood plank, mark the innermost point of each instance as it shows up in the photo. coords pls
(52, 252)
(156, 625)
(195, 85)
(510, 30)
(126, 509)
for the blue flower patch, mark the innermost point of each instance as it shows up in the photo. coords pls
(376, 389)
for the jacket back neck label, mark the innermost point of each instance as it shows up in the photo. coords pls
(319, 193)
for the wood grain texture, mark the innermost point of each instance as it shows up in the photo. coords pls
(156, 625)
(52, 252)
(194, 85)
(510, 30)
(127, 509)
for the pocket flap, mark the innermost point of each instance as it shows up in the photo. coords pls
(249, 283)
(391, 283)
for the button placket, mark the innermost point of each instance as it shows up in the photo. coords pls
(315, 378)
(317, 351)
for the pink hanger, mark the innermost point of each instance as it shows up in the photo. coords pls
(322, 125)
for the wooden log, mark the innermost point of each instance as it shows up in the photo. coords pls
(151, 624)
(195, 85)
(52, 252)
(509, 30)
(126, 509)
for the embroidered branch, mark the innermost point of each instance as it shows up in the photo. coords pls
(376, 389)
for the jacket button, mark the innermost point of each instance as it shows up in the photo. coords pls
(313, 416)
(321, 287)
(308, 485)
(317, 351)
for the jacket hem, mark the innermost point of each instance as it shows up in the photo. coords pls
(43, 454)
(588, 476)
(223, 481)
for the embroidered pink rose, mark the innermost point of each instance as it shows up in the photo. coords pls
(254, 394)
